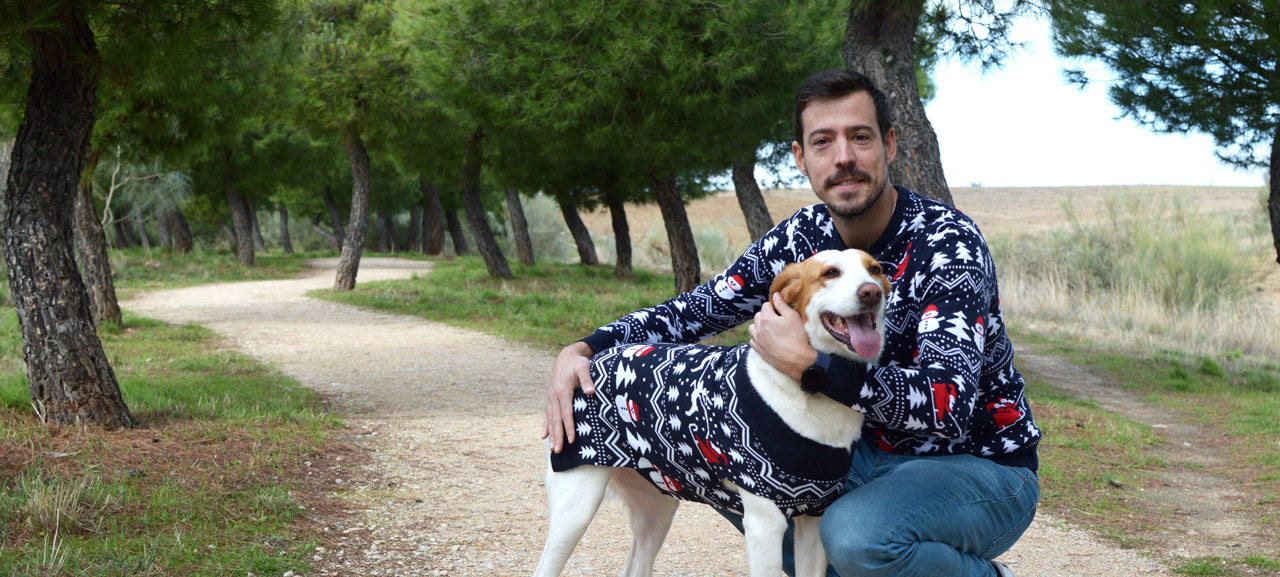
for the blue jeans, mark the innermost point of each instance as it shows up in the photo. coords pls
(913, 516)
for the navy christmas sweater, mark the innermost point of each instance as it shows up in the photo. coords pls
(945, 383)
(687, 418)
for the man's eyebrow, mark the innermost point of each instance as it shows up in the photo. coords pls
(826, 131)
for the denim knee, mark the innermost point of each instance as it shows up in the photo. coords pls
(852, 549)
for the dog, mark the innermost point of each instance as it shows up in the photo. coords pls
(678, 420)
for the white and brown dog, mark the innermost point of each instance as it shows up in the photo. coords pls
(721, 426)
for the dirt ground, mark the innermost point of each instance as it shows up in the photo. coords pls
(448, 423)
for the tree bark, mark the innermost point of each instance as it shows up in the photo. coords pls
(581, 236)
(386, 233)
(358, 222)
(286, 240)
(751, 200)
(684, 251)
(485, 241)
(456, 234)
(433, 224)
(140, 222)
(519, 227)
(70, 378)
(255, 226)
(878, 42)
(335, 219)
(95, 265)
(621, 235)
(414, 241)
(239, 214)
(1273, 199)
(181, 232)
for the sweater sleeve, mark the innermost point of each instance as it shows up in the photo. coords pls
(727, 300)
(930, 383)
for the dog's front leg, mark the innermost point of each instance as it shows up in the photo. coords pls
(811, 558)
(763, 524)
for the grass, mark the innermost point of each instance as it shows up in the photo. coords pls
(548, 305)
(216, 483)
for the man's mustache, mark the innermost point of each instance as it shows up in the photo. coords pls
(845, 174)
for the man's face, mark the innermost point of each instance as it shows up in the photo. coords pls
(844, 155)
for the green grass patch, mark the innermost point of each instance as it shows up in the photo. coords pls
(137, 269)
(213, 485)
(549, 305)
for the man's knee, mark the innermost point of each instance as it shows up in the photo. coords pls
(855, 544)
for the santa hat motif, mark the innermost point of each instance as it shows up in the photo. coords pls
(929, 320)
(710, 453)
(637, 351)
(729, 286)
(627, 409)
(1005, 412)
(902, 266)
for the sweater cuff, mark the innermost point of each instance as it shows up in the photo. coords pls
(600, 340)
(847, 378)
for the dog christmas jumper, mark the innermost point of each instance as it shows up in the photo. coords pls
(945, 383)
(687, 418)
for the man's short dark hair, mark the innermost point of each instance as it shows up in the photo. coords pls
(838, 83)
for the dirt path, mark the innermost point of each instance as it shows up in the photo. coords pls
(451, 420)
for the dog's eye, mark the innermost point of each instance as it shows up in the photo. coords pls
(876, 270)
(831, 273)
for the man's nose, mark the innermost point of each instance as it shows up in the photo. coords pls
(844, 153)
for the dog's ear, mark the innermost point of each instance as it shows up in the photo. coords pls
(788, 283)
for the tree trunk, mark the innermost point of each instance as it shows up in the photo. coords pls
(164, 237)
(358, 222)
(1273, 199)
(433, 224)
(91, 246)
(140, 222)
(386, 233)
(255, 226)
(485, 241)
(239, 214)
(414, 242)
(177, 223)
(456, 234)
(286, 240)
(621, 235)
(581, 236)
(70, 378)
(751, 199)
(95, 265)
(684, 252)
(320, 230)
(124, 234)
(879, 42)
(519, 227)
(335, 219)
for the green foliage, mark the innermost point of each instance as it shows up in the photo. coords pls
(1180, 66)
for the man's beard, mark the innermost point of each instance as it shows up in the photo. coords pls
(858, 210)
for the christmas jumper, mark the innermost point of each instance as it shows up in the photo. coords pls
(687, 418)
(945, 383)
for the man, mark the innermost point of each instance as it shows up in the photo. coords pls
(943, 480)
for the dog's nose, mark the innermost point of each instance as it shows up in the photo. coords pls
(869, 293)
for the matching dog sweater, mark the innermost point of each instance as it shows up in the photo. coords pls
(687, 418)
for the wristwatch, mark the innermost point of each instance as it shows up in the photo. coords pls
(815, 378)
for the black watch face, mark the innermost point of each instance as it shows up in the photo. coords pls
(814, 378)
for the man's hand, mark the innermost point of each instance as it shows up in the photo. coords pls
(778, 336)
(572, 370)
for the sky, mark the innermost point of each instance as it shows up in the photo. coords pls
(1023, 125)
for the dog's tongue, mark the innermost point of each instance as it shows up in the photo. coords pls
(862, 336)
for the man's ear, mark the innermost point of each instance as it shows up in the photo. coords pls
(890, 145)
(798, 152)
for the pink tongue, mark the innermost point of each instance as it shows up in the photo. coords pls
(865, 340)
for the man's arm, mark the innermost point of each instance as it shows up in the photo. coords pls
(572, 370)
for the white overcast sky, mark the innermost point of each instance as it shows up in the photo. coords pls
(1023, 125)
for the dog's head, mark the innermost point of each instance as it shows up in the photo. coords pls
(840, 294)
